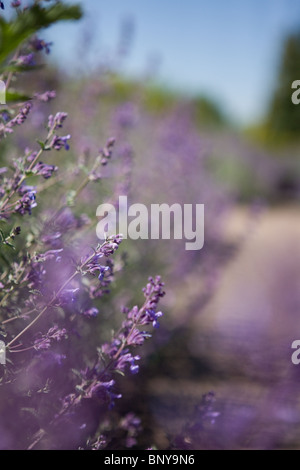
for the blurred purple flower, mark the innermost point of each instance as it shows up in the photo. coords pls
(21, 116)
(53, 334)
(44, 170)
(46, 96)
(39, 45)
(59, 142)
(126, 115)
(56, 122)
(68, 296)
(51, 254)
(28, 200)
(26, 59)
(91, 312)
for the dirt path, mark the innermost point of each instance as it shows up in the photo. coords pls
(258, 298)
(245, 335)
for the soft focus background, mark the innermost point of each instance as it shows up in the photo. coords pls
(198, 95)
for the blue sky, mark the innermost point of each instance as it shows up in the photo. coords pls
(226, 49)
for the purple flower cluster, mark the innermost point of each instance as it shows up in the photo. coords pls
(48, 255)
(26, 59)
(130, 334)
(27, 201)
(51, 295)
(53, 334)
(19, 119)
(21, 116)
(132, 425)
(46, 96)
(40, 45)
(91, 312)
(56, 122)
(59, 142)
(44, 170)
(97, 382)
(126, 115)
(106, 151)
(92, 263)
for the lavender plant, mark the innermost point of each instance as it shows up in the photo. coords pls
(58, 385)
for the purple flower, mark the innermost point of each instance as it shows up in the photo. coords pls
(58, 358)
(56, 122)
(136, 337)
(5, 116)
(44, 170)
(59, 142)
(132, 425)
(52, 239)
(125, 359)
(126, 115)
(94, 266)
(51, 254)
(151, 317)
(111, 245)
(26, 59)
(36, 276)
(134, 368)
(30, 156)
(54, 334)
(25, 189)
(130, 421)
(154, 291)
(110, 349)
(42, 344)
(57, 334)
(91, 312)
(39, 45)
(28, 200)
(21, 116)
(102, 389)
(46, 96)
(68, 296)
(106, 152)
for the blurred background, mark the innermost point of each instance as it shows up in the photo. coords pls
(198, 96)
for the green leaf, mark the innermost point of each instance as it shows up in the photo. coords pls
(29, 173)
(28, 22)
(42, 144)
(15, 96)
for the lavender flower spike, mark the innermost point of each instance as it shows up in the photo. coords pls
(59, 142)
(46, 96)
(44, 170)
(56, 122)
(28, 200)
